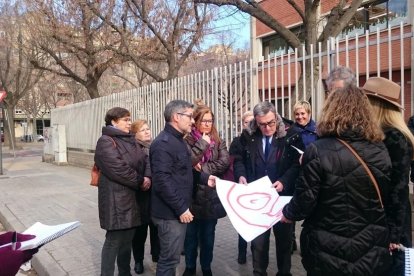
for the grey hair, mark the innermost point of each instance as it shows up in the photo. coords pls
(341, 73)
(262, 109)
(174, 107)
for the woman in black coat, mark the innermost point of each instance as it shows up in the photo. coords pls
(123, 169)
(345, 231)
(208, 154)
(384, 96)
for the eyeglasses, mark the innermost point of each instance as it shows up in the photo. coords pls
(125, 119)
(207, 122)
(269, 124)
(189, 116)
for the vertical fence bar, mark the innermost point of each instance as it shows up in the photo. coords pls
(402, 67)
(367, 54)
(378, 53)
(389, 53)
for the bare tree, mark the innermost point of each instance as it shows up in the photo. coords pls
(71, 41)
(157, 36)
(17, 75)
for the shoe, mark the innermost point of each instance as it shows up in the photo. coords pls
(189, 272)
(207, 272)
(139, 267)
(155, 259)
(241, 259)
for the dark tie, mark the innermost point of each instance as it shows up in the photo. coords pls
(267, 147)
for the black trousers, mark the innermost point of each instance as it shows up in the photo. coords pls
(138, 243)
(260, 250)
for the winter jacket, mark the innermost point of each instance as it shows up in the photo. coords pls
(144, 197)
(206, 203)
(308, 132)
(400, 152)
(345, 231)
(123, 167)
(283, 163)
(172, 175)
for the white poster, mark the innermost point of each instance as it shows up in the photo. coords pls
(252, 208)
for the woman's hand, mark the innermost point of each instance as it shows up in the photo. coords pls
(146, 185)
(285, 220)
(197, 167)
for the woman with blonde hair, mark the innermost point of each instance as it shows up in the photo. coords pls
(345, 229)
(143, 137)
(384, 96)
(208, 154)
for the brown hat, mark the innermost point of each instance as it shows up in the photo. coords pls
(384, 89)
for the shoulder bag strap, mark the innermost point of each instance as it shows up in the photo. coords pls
(365, 167)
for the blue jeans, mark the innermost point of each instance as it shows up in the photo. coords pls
(171, 234)
(200, 231)
(117, 246)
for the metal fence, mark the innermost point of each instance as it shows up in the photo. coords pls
(236, 88)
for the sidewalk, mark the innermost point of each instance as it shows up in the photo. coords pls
(33, 191)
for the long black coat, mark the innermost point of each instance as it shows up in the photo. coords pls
(345, 231)
(206, 203)
(399, 213)
(123, 167)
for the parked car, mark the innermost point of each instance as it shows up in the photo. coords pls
(40, 138)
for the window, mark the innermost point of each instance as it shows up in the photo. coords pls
(276, 45)
(377, 14)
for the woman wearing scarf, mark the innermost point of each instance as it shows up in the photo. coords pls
(209, 154)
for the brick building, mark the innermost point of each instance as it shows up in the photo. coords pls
(377, 42)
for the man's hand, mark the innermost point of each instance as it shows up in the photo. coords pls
(278, 185)
(285, 220)
(242, 180)
(211, 181)
(146, 184)
(186, 217)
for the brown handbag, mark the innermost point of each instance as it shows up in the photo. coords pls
(365, 167)
(95, 172)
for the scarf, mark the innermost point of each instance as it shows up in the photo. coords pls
(197, 135)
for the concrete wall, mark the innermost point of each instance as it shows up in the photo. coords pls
(80, 158)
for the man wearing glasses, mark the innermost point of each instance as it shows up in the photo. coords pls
(172, 184)
(267, 151)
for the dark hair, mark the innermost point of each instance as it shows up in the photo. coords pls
(174, 107)
(115, 114)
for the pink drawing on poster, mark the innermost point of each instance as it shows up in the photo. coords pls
(262, 204)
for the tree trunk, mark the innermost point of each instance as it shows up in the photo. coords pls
(8, 125)
(92, 88)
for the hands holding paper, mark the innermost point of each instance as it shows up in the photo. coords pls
(11, 260)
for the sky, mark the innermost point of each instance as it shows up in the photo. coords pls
(231, 25)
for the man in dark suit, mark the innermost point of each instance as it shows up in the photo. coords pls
(172, 178)
(266, 150)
